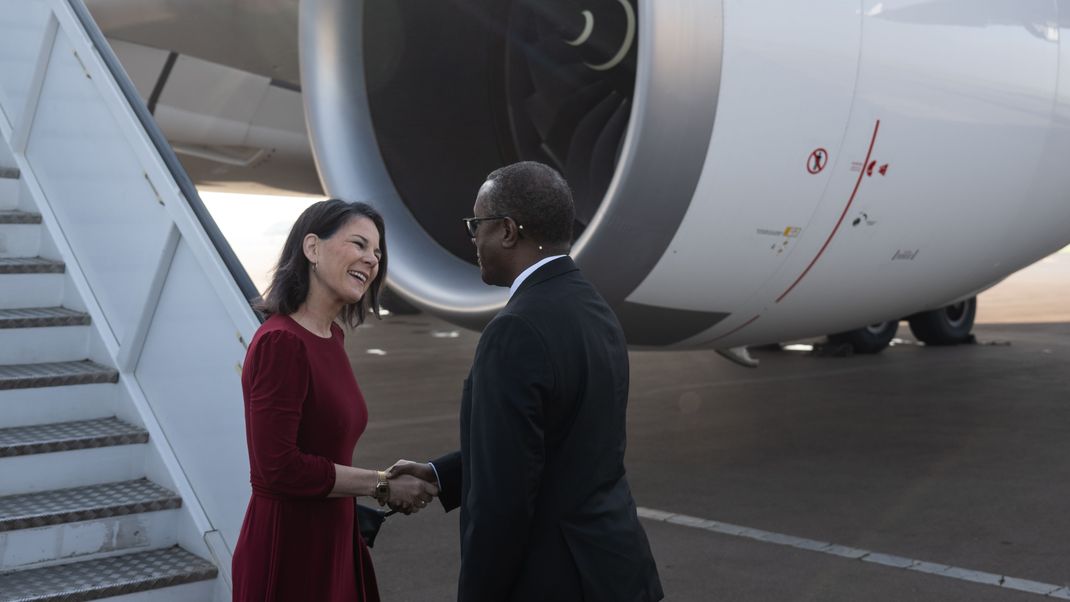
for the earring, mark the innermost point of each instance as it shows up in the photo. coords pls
(313, 267)
(540, 247)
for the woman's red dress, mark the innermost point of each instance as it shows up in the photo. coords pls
(303, 414)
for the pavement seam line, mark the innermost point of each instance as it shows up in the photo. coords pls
(889, 560)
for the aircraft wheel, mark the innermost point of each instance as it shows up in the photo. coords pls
(949, 325)
(871, 339)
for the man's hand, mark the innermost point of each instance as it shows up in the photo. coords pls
(409, 494)
(420, 470)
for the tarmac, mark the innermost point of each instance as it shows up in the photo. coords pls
(916, 474)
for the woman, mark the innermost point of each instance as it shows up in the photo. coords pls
(304, 414)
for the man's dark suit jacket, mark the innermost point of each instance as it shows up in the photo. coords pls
(546, 512)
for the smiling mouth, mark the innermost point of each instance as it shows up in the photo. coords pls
(361, 276)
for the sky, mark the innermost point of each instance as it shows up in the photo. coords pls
(256, 227)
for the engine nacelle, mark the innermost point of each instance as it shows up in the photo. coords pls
(745, 172)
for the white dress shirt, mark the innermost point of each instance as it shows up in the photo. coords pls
(523, 275)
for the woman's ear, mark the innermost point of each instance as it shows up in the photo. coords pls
(310, 245)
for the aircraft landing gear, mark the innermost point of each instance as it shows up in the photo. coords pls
(871, 339)
(949, 325)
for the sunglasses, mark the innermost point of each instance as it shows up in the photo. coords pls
(471, 224)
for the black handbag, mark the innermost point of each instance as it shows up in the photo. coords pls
(368, 521)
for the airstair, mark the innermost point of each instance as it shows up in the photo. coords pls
(123, 322)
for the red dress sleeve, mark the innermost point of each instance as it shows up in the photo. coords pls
(275, 397)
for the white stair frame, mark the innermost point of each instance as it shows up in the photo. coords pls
(168, 312)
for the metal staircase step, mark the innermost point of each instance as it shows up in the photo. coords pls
(76, 468)
(67, 436)
(24, 407)
(19, 217)
(105, 577)
(30, 265)
(56, 374)
(33, 510)
(10, 187)
(20, 232)
(41, 317)
(53, 526)
(32, 290)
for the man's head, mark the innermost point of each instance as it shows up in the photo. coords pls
(523, 212)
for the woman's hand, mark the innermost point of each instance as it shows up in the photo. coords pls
(409, 494)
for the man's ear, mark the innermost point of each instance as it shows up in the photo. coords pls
(510, 233)
(310, 245)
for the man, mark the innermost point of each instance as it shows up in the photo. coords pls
(546, 512)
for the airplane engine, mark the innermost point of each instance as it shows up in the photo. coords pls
(744, 172)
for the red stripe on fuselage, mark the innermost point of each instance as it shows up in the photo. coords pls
(858, 184)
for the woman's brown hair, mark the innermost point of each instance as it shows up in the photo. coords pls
(289, 283)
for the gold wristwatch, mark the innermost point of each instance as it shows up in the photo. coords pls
(382, 488)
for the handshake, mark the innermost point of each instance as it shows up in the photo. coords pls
(410, 487)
